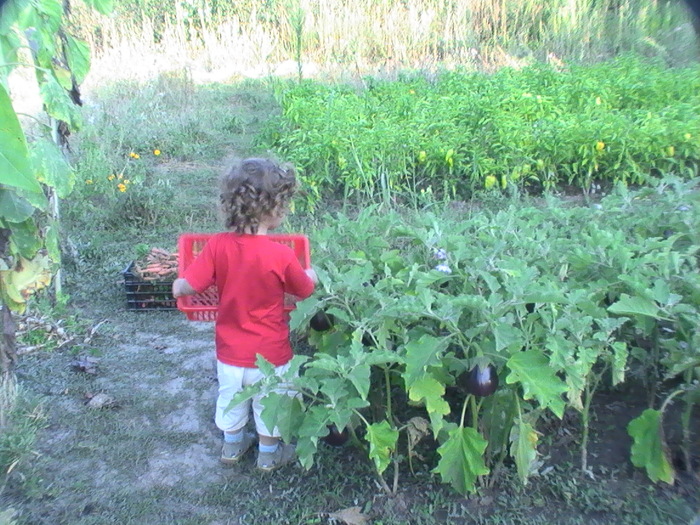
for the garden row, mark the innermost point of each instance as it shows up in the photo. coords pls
(624, 120)
(556, 301)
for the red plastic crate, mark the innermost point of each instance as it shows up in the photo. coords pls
(203, 306)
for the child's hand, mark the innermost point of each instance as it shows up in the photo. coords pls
(182, 287)
(312, 275)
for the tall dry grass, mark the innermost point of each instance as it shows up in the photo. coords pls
(247, 37)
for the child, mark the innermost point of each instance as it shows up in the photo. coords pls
(252, 275)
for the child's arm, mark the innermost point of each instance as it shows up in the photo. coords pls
(312, 275)
(182, 287)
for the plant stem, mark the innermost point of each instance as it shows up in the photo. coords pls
(464, 410)
(387, 381)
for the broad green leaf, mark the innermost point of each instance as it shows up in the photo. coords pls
(103, 6)
(648, 447)
(461, 459)
(523, 448)
(26, 239)
(619, 362)
(15, 169)
(312, 425)
(336, 389)
(9, 44)
(359, 377)
(628, 305)
(11, 14)
(49, 16)
(283, 412)
(51, 168)
(496, 419)
(420, 355)
(431, 391)
(267, 368)
(505, 334)
(531, 369)
(58, 104)
(51, 241)
(382, 443)
(303, 312)
(14, 208)
(78, 57)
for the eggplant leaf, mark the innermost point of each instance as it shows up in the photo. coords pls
(15, 169)
(648, 447)
(628, 305)
(382, 443)
(420, 355)
(523, 448)
(461, 459)
(431, 391)
(531, 369)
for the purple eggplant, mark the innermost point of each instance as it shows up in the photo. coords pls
(321, 321)
(482, 382)
(336, 438)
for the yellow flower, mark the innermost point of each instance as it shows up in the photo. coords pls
(600, 145)
(412, 92)
(422, 155)
(670, 151)
(127, 181)
(111, 177)
(88, 181)
(490, 182)
(121, 187)
(598, 102)
(156, 152)
(687, 136)
(134, 155)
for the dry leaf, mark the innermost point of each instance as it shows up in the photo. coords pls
(349, 516)
(85, 364)
(101, 401)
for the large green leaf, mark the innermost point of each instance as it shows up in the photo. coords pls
(9, 44)
(15, 169)
(282, 411)
(25, 238)
(303, 312)
(78, 57)
(523, 448)
(421, 354)
(11, 13)
(648, 447)
(103, 6)
(14, 208)
(430, 391)
(531, 369)
(628, 305)
(51, 168)
(619, 361)
(461, 459)
(382, 443)
(58, 104)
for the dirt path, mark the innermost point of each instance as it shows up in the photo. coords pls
(150, 452)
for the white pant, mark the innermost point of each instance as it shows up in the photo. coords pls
(232, 379)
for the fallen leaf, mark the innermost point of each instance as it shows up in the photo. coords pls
(101, 401)
(349, 516)
(85, 364)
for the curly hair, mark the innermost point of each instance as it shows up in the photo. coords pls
(253, 189)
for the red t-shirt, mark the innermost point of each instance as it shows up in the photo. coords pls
(251, 273)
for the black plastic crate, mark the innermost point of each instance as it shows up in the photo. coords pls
(147, 295)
